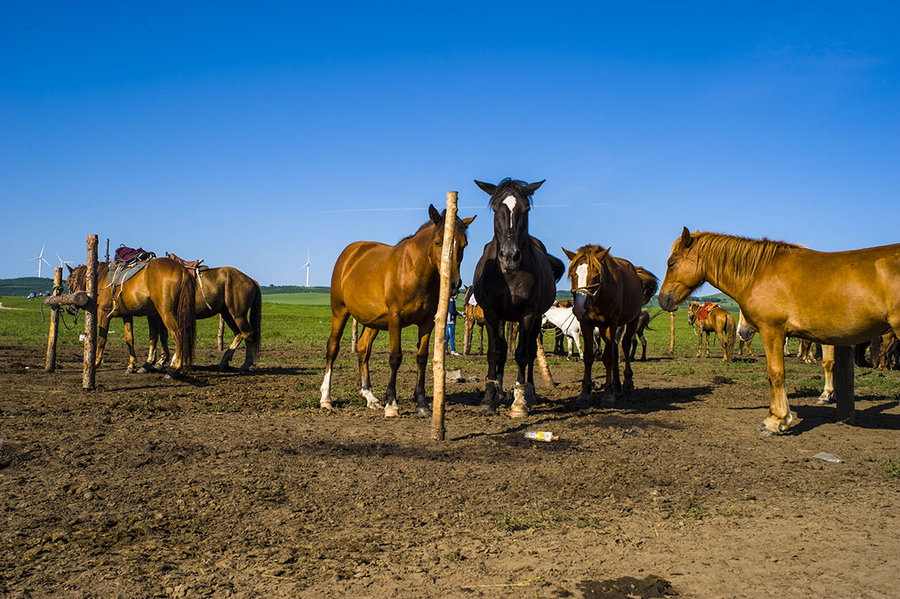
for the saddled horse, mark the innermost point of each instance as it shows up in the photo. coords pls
(224, 291)
(717, 320)
(388, 288)
(833, 298)
(609, 292)
(162, 287)
(515, 281)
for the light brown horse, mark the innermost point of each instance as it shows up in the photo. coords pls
(718, 321)
(388, 288)
(227, 291)
(162, 287)
(609, 292)
(832, 298)
(474, 316)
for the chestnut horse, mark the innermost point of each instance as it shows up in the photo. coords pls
(718, 321)
(474, 316)
(832, 298)
(162, 287)
(236, 296)
(609, 292)
(744, 334)
(515, 282)
(389, 288)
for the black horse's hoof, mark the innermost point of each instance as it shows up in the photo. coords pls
(423, 412)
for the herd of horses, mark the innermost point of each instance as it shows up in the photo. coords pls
(783, 289)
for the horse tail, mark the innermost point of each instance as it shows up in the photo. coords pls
(557, 266)
(186, 320)
(256, 319)
(649, 283)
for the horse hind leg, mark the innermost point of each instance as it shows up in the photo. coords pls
(828, 366)
(421, 365)
(338, 322)
(391, 407)
(363, 352)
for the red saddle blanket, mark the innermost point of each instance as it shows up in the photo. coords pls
(705, 309)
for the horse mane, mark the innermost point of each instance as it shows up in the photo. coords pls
(508, 187)
(590, 253)
(459, 225)
(741, 256)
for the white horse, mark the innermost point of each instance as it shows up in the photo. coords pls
(564, 319)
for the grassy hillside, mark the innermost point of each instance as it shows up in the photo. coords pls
(22, 286)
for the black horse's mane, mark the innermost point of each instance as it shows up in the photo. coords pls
(506, 187)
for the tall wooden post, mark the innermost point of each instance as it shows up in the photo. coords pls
(90, 317)
(50, 365)
(440, 319)
(542, 363)
(107, 249)
(671, 334)
(843, 383)
(220, 337)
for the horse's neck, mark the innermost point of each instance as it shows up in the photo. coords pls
(412, 252)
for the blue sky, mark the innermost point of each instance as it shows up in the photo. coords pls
(247, 133)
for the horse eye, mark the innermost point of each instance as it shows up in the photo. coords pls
(671, 263)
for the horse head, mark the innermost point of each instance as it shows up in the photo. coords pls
(693, 309)
(683, 273)
(76, 281)
(460, 240)
(510, 201)
(586, 275)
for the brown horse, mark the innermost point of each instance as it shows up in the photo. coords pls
(609, 292)
(227, 291)
(474, 316)
(833, 298)
(718, 321)
(162, 287)
(387, 288)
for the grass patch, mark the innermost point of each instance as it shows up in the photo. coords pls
(892, 468)
(508, 523)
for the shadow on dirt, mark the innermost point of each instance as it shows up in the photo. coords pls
(627, 587)
(872, 417)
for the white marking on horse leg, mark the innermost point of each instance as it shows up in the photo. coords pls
(519, 407)
(325, 402)
(371, 401)
(510, 203)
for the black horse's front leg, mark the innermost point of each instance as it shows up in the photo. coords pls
(421, 364)
(391, 408)
(496, 355)
(587, 387)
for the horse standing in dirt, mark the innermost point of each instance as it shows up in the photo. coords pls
(515, 281)
(609, 292)
(163, 287)
(643, 325)
(224, 291)
(388, 288)
(706, 319)
(563, 319)
(474, 316)
(785, 289)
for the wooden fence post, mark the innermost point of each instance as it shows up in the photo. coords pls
(671, 334)
(440, 320)
(843, 383)
(90, 317)
(50, 365)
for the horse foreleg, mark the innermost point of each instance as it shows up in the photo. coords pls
(496, 358)
(526, 352)
(720, 334)
(630, 328)
(103, 319)
(421, 364)
(391, 408)
(467, 336)
(828, 366)
(363, 352)
(242, 332)
(338, 322)
(587, 386)
(128, 326)
(165, 358)
(780, 416)
(611, 362)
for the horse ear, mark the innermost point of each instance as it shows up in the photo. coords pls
(468, 221)
(569, 255)
(71, 270)
(686, 239)
(533, 187)
(486, 187)
(434, 215)
(603, 254)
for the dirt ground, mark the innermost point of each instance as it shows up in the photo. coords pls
(230, 485)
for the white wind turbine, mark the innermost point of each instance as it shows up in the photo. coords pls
(306, 266)
(62, 262)
(40, 258)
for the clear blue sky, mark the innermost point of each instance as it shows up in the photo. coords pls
(245, 133)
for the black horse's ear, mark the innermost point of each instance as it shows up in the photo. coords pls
(686, 239)
(486, 187)
(569, 255)
(533, 187)
(71, 270)
(468, 221)
(434, 215)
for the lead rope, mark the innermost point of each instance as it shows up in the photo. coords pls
(202, 292)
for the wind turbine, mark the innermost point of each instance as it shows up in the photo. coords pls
(62, 262)
(306, 266)
(40, 258)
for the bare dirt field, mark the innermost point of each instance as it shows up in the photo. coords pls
(230, 485)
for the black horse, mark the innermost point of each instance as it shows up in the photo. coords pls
(515, 281)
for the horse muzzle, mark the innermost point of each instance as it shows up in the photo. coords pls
(579, 308)
(667, 302)
(509, 257)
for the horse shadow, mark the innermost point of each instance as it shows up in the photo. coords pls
(871, 417)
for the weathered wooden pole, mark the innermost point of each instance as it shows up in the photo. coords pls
(50, 365)
(90, 317)
(220, 337)
(542, 362)
(843, 383)
(671, 334)
(440, 319)
(107, 249)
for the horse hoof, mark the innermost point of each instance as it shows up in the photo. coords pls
(608, 401)
(825, 399)
(143, 370)
(170, 377)
(423, 412)
(391, 411)
(325, 404)
(764, 432)
(518, 411)
(583, 402)
(487, 409)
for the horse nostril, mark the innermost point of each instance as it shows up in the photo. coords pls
(517, 256)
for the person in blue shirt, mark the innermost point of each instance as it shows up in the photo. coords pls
(452, 315)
